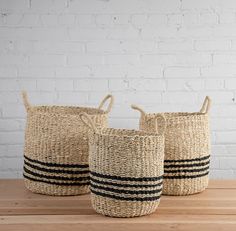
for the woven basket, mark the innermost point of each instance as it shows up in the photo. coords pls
(56, 147)
(187, 149)
(126, 170)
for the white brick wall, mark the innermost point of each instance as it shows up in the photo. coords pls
(164, 55)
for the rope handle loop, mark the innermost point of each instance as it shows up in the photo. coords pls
(135, 107)
(109, 105)
(206, 105)
(25, 100)
(160, 124)
(85, 118)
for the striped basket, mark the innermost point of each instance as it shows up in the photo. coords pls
(56, 147)
(187, 149)
(126, 170)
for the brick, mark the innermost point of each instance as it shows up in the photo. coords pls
(64, 85)
(49, 20)
(139, 20)
(75, 72)
(121, 59)
(45, 85)
(208, 18)
(14, 6)
(118, 84)
(181, 72)
(219, 71)
(224, 58)
(185, 84)
(84, 59)
(48, 6)
(147, 84)
(15, 163)
(226, 137)
(172, 46)
(84, 34)
(9, 125)
(212, 45)
(227, 17)
(54, 47)
(66, 20)
(214, 84)
(175, 19)
(47, 60)
(164, 59)
(10, 60)
(15, 150)
(157, 19)
(103, 20)
(8, 72)
(13, 111)
(85, 20)
(230, 83)
(35, 72)
(72, 98)
(179, 98)
(11, 137)
(121, 19)
(91, 85)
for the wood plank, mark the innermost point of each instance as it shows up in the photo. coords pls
(217, 184)
(131, 227)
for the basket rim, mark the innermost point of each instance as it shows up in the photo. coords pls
(94, 111)
(137, 133)
(172, 115)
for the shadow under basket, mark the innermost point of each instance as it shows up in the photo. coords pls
(126, 170)
(187, 149)
(56, 147)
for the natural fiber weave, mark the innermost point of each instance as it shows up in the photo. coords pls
(56, 147)
(187, 149)
(126, 170)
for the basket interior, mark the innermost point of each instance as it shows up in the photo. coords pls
(67, 110)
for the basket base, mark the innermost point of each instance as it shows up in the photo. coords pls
(117, 208)
(182, 187)
(55, 190)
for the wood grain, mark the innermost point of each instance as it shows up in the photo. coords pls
(213, 209)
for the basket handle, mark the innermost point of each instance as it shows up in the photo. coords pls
(135, 107)
(206, 105)
(25, 100)
(85, 118)
(160, 124)
(109, 105)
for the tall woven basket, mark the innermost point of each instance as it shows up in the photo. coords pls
(126, 169)
(187, 149)
(56, 147)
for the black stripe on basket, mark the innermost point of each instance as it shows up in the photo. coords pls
(62, 178)
(155, 198)
(140, 179)
(92, 179)
(201, 164)
(57, 183)
(186, 176)
(56, 164)
(46, 170)
(188, 160)
(124, 191)
(185, 170)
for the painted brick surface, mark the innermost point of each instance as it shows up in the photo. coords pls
(164, 55)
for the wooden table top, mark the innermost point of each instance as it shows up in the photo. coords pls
(214, 209)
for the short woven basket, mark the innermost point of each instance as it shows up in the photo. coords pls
(187, 149)
(126, 170)
(56, 147)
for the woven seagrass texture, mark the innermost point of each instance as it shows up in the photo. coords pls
(126, 170)
(56, 147)
(187, 149)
